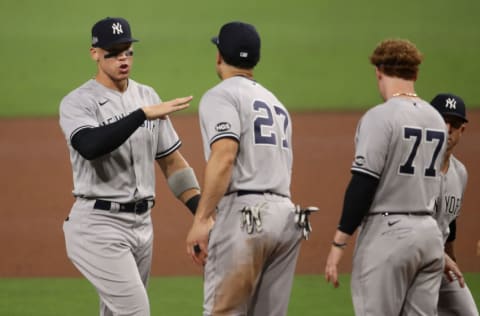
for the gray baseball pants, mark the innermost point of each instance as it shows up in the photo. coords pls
(454, 300)
(397, 266)
(251, 274)
(114, 252)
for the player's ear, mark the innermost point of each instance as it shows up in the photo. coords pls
(219, 58)
(94, 54)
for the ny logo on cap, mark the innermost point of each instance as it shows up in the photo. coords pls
(451, 103)
(117, 28)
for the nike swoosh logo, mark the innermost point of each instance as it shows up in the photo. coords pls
(393, 222)
(102, 103)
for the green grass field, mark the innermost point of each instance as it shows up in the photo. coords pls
(172, 296)
(314, 52)
(314, 57)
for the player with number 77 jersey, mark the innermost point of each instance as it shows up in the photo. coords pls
(402, 141)
(399, 146)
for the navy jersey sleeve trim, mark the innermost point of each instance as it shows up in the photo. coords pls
(169, 150)
(224, 135)
(365, 171)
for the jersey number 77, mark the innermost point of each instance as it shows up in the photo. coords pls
(417, 134)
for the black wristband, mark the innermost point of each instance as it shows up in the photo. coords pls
(192, 203)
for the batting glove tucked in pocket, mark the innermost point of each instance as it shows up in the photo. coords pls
(302, 219)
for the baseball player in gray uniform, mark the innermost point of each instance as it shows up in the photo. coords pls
(116, 128)
(399, 145)
(455, 298)
(247, 137)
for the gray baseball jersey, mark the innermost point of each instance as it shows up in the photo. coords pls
(453, 299)
(113, 249)
(398, 258)
(111, 177)
(244, 110)
(450, 201)
(401, 143)
(251, 273)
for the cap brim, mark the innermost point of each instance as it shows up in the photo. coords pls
(214, 40)
(120, 41)
(455, 115)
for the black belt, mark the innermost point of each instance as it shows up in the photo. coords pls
(247, 192)
(402, 213)
(138, 207)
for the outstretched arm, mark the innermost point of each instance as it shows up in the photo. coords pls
(95, 142)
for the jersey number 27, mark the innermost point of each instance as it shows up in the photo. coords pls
(266, 119)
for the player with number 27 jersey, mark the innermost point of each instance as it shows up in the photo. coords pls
(394, 144)
(231, 109)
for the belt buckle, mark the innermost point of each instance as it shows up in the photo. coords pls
(140, 206)
(115, 207)
(136, 206)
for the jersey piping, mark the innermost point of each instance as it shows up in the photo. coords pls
(169, 151)
(224, 135)
(366, 171)
(79, 129)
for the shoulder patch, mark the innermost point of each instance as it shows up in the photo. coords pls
(223, 126)
(359, 160)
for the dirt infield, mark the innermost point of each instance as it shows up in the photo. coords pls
(37, 182)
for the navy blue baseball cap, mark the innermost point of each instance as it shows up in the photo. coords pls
(239, 44)
(450, 104)
(111, 31)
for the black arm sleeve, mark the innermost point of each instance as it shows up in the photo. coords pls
(94, 142)
(453, 231)
(358, 198)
